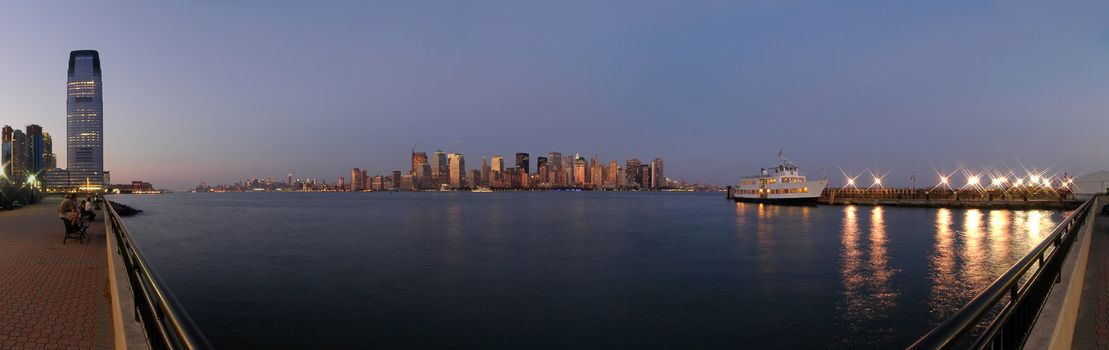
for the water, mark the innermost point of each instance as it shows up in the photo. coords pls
(568, 270)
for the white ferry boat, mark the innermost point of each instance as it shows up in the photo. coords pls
(783, 184)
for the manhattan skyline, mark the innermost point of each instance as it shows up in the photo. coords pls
(222, 92)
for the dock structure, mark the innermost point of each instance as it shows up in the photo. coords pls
(948, 198)
(52, 295)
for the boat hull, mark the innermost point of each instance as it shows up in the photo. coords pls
(782, 201)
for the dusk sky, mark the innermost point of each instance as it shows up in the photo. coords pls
(221, 91)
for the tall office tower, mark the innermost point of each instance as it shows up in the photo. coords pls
(475, 178)
(49, 159)
(356, 179)
(6, 152)
(621, 178)
(658, 179)
(289, 180)
(544, 172)
(580, 176)
(20, 152)
(610, 174)
(555, 161)
(365, 180)
(484, 179)
(541, 168)
(457, 170)
(85, 118)
(631, 168)
(396, 180)
(523, 163)
(596, 174)
(342, 186)
(645, 171)
(34, 144)
(497, 168)
(439, 165)
(419, 159)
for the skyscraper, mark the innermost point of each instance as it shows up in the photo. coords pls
(85, 118)
(36, 151)
(635, 176)
(543, 169)
(356, 180)
(49, 160)
(497, 168)
(523, 163)
(580, 176)
(457, 170)
(20, 152)
(484, 179)
(6, 151)
(419, 159)
(658, 180)
(439, 165)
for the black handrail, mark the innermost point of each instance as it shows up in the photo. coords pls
(1010, 327)
(165, 322)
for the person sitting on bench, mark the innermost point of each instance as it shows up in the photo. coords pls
(68, 210)
(86, 211)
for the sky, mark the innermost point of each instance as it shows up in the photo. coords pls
(220, 91)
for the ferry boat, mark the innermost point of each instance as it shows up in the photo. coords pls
(782, 184)
(482, 190)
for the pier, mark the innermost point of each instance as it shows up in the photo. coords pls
(96, 294)
(949, 198)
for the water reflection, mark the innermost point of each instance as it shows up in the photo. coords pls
(966, 261)
(868, 293)
(943, 262)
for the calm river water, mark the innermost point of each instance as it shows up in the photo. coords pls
(568, 270)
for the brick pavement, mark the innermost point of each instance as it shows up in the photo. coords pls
(1092, 328)
(52, 296)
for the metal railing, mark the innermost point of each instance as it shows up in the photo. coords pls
(165, 322)
(1019, 292)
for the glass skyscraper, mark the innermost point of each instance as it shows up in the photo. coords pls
(85, 119)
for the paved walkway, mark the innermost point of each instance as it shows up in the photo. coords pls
(52, 296)
(1092, 328)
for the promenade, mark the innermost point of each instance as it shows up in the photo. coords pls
(52, 296)
(1092, 328)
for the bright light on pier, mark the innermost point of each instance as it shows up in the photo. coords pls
(973, 180)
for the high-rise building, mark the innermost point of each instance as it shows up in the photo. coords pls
(85, 118)
(634, 176)
(611, 173)
(645, 171)
(596, 174)
(6, 152)
(439, 165)
(484, 179)
(543, 169)
(396, 180)
(523, 163)
(356, 180)
(658, 180)
(555, 161)
(419, 159)
(49, 160)
(457, 170)
(580, 176)
(475, 178)
(20, 152)
(497, 168)
(35, 159)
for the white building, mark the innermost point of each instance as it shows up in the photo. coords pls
(1091, 184)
